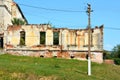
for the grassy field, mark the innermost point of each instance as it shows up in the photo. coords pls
(31, 68)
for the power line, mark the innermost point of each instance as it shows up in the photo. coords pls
(48, 9)
(64, 11)
(112, 28)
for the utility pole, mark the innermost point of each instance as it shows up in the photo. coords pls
(89, 39)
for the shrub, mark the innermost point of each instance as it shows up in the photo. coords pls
(117, 61)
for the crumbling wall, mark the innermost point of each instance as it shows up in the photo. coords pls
(72, 43)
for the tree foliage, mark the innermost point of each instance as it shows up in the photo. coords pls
(106, 54)
(116, 52)
(17, 21)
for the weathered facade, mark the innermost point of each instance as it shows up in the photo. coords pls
(44, 41)
(8, 10)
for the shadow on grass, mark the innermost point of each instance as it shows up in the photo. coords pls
(81, 72)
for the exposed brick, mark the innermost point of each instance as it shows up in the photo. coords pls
(109, 61)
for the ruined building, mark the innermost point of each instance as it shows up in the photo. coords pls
(8, 11)
(44, 41)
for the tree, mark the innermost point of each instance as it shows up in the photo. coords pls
(116, 52)
(17, 21)
(106, 54)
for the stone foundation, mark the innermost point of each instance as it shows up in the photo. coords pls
(95, 57)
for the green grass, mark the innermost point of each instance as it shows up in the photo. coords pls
(31, 68)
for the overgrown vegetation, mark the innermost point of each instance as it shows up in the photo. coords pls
(106, 54)
(31, 68)
(42, 37)
(114, 54)
(17, 21)
(22, 38)
(117, 61)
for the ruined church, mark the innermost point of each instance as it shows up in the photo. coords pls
(42, 40)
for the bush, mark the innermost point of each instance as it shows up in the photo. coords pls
(117, 61)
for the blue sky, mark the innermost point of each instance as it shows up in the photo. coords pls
(104, 12)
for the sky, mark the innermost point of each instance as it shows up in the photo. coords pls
(105, 12)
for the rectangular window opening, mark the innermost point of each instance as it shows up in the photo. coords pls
(42, 37)
(55, 38)
(22, 38)
(1, 42)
